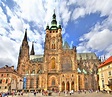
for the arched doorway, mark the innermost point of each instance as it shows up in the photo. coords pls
(63, 86)
(72, 85)
(67, 86)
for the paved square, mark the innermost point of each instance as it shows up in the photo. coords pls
(94, 94)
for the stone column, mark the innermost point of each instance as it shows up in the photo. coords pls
(65, 85)
(35, 80)
(45, 82)
(77, 83)
(70, 86)
(65, 89)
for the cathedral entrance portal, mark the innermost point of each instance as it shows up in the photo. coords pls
(72, 84)
(67, 86)
(63, 86)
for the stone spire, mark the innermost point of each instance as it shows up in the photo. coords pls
(32, 50)
(23, 54)
(25, 36)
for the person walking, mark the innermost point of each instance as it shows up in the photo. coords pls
(59, 93)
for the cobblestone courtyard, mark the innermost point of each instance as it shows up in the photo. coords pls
(94, 94)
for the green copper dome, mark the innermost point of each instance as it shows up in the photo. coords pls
(54, 22)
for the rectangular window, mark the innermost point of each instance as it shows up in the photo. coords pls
(7, 75)
(103, 84)
(102, 75)
(1, 75)
(6, 81)
(108, 66)
(109, 73)
(0, 81)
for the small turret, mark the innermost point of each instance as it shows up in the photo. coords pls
(59, 27)
(54, 22)
(47, 27)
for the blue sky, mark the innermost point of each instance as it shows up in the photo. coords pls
(87, 24)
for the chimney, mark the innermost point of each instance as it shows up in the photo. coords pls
(12, 67)
(6, 66)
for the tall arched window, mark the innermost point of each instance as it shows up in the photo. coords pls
(53, 44)
(53, 63)
(53, 81)
(32, 83)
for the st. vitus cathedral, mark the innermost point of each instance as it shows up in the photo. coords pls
(60, 67)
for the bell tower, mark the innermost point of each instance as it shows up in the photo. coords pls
(53, 45)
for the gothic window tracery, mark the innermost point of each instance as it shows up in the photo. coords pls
(53, 81)
(53, 44)
(33, 72)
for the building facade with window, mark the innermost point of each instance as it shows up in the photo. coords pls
(60, 67)
(105, 75)
(10, 80)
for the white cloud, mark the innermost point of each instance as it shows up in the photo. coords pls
(2, 15)
(99, 38)
(16, 23)
(3, 22)
(40, 13)
(78, 12)
(15, 20)
(92, 6)
(66, 35)
(31, 10)
(9, 51)
(82, 48)
(65, 13)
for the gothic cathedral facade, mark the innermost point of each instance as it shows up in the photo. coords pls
(60, 67)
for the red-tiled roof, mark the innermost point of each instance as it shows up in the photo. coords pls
(109, 60)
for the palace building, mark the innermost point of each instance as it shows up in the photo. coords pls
(10, 80)
(60, 67)
(105, 75)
